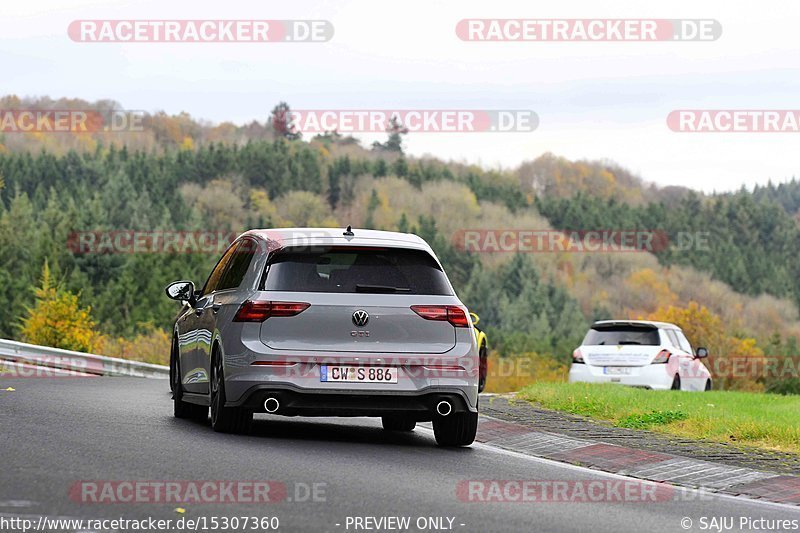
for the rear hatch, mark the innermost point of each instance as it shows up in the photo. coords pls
(360, 300)
(621, 345)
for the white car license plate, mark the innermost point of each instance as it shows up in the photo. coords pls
(358, 374)
(617, 370)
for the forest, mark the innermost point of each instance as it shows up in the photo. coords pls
(736, 291)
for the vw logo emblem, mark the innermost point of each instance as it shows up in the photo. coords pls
(360, 318)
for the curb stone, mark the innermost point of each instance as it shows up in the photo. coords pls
(572, 439)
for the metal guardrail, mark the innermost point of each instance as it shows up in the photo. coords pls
(45, 356)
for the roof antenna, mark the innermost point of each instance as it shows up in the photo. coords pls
(349, 232)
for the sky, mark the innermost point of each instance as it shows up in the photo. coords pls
(594, 100)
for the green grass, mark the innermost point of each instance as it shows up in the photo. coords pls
(767, 421)
(648, 420)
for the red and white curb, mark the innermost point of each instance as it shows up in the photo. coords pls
(641, 464)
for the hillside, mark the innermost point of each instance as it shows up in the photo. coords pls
(179, 174)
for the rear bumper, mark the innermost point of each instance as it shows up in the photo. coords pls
(649, 376)
(252, 370)
(294, 401)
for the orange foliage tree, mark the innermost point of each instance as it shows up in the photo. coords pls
(735, 362)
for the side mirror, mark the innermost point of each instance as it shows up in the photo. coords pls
(475, 319)
(183, 291)
(701, 353)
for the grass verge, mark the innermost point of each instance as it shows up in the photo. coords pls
(767, 421)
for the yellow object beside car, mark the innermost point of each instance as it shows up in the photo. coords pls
(480, 338)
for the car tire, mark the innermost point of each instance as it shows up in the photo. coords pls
(676, 383)
(483, 365)
(398, 423)
(225, 419)
(708, 385)
(457, 429)
(181, 409)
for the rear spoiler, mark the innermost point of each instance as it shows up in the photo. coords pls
(605, 325)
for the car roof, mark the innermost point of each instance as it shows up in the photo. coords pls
(655, 324)
(286, 237)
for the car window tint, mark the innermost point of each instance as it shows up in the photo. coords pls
(622, 334)
(238, 265)
(684, 342)
(673, 339)
(351, 269)
(219, 270)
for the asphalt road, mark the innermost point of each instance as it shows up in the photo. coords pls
(56, 432)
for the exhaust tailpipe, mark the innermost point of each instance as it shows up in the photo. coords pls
(444, 408)
(271, 404)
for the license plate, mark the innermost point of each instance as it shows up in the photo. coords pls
(358, 374)
(616, 370)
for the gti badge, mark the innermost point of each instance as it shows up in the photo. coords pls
(360, 318)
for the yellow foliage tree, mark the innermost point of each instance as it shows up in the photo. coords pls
(510, 374)
(698, 323)
(648, 290)
(150, 346)
(266, 209)
(735, 363)
(58, 320)
(305, 209)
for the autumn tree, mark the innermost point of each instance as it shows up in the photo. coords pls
(57, 319)
(281, 122)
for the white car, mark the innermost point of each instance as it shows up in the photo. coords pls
(653, 355)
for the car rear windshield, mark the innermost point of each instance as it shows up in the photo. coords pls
(356, 270)
(622, 334)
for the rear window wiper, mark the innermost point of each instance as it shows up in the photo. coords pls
(629, 342)
(381, 288)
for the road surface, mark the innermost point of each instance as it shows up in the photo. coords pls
(59, 433)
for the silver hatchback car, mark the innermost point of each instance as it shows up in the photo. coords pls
(326, 322)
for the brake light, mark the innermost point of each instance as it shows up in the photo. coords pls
(662, 357)
(445, 313)
(254, 311)
(577, 356)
